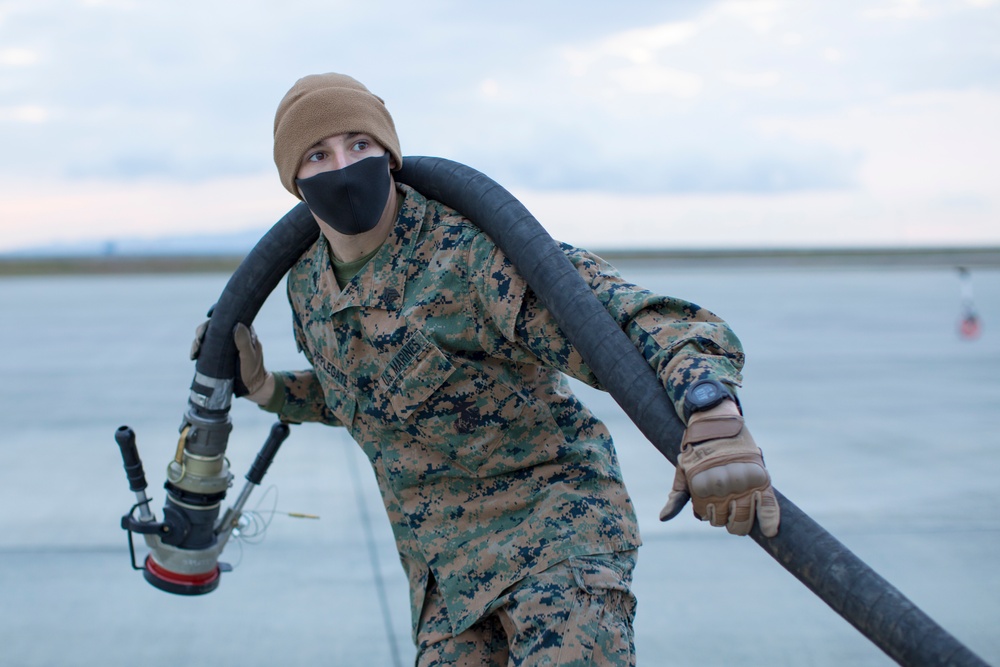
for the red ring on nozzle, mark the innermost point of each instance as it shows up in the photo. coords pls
(181, 584)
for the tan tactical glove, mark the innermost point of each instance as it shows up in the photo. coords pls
(721, 469)
(199, 338)
(258, 381)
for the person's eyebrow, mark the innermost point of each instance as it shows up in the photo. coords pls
(350, 135)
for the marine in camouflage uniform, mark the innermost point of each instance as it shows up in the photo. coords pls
(503, 490)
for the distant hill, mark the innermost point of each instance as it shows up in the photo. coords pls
(224, 258)
(223, 252)
(236, 243)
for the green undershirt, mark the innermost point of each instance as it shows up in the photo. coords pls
(344, 271)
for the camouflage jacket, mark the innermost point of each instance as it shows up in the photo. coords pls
(449, 374)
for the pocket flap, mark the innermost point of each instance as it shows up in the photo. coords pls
(414, 374)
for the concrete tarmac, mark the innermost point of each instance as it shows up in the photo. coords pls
(874, 416)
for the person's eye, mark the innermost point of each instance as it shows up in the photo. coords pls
(360, 145)
(316, 156)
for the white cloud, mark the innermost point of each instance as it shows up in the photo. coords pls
(898, 9)
(651, 79)
(37, 214)
(678, 59)
(752, 79)
(640, 48)
(791, 39)
(644, 45)
(635, 62)
(723, 97)
(489, 88)
(16, 57)
(760, 15)
(113, 4)
(832, 55)
(803, 219)
(25, 114)
(917, 148)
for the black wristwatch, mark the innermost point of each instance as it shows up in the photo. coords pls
(705, 395)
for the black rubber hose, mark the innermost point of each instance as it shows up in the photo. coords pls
(605, 348)
(803, 547)
(250, 285)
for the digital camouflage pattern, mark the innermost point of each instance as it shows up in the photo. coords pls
(577, 613)
(448, 372)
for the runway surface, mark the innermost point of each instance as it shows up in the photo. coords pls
(875, 417)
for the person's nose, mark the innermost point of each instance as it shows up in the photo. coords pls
(339, 159)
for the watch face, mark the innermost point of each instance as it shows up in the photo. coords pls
(704, 393)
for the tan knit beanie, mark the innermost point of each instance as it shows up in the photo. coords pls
(322, 105)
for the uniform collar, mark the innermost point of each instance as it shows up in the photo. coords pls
(382, 281)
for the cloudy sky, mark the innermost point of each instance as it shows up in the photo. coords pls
(620, 124)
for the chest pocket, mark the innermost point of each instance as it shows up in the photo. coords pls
(416, 372)
(457, 410)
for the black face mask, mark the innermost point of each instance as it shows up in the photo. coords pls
(350, 200)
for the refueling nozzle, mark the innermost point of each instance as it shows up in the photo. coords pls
(184, 548)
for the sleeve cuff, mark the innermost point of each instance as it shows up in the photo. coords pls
(277, 401)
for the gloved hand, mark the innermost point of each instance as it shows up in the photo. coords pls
(199, 338)
(722, 470)
(258, 380)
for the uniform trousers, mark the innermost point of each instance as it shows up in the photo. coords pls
(578, 612)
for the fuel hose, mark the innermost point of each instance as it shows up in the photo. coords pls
(827, 567)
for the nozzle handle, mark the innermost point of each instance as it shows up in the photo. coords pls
(125, 437)
(260, 465)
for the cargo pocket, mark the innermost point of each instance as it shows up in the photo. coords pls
(605, 581)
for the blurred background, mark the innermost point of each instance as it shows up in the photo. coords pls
(636, 123)
(815, 173)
